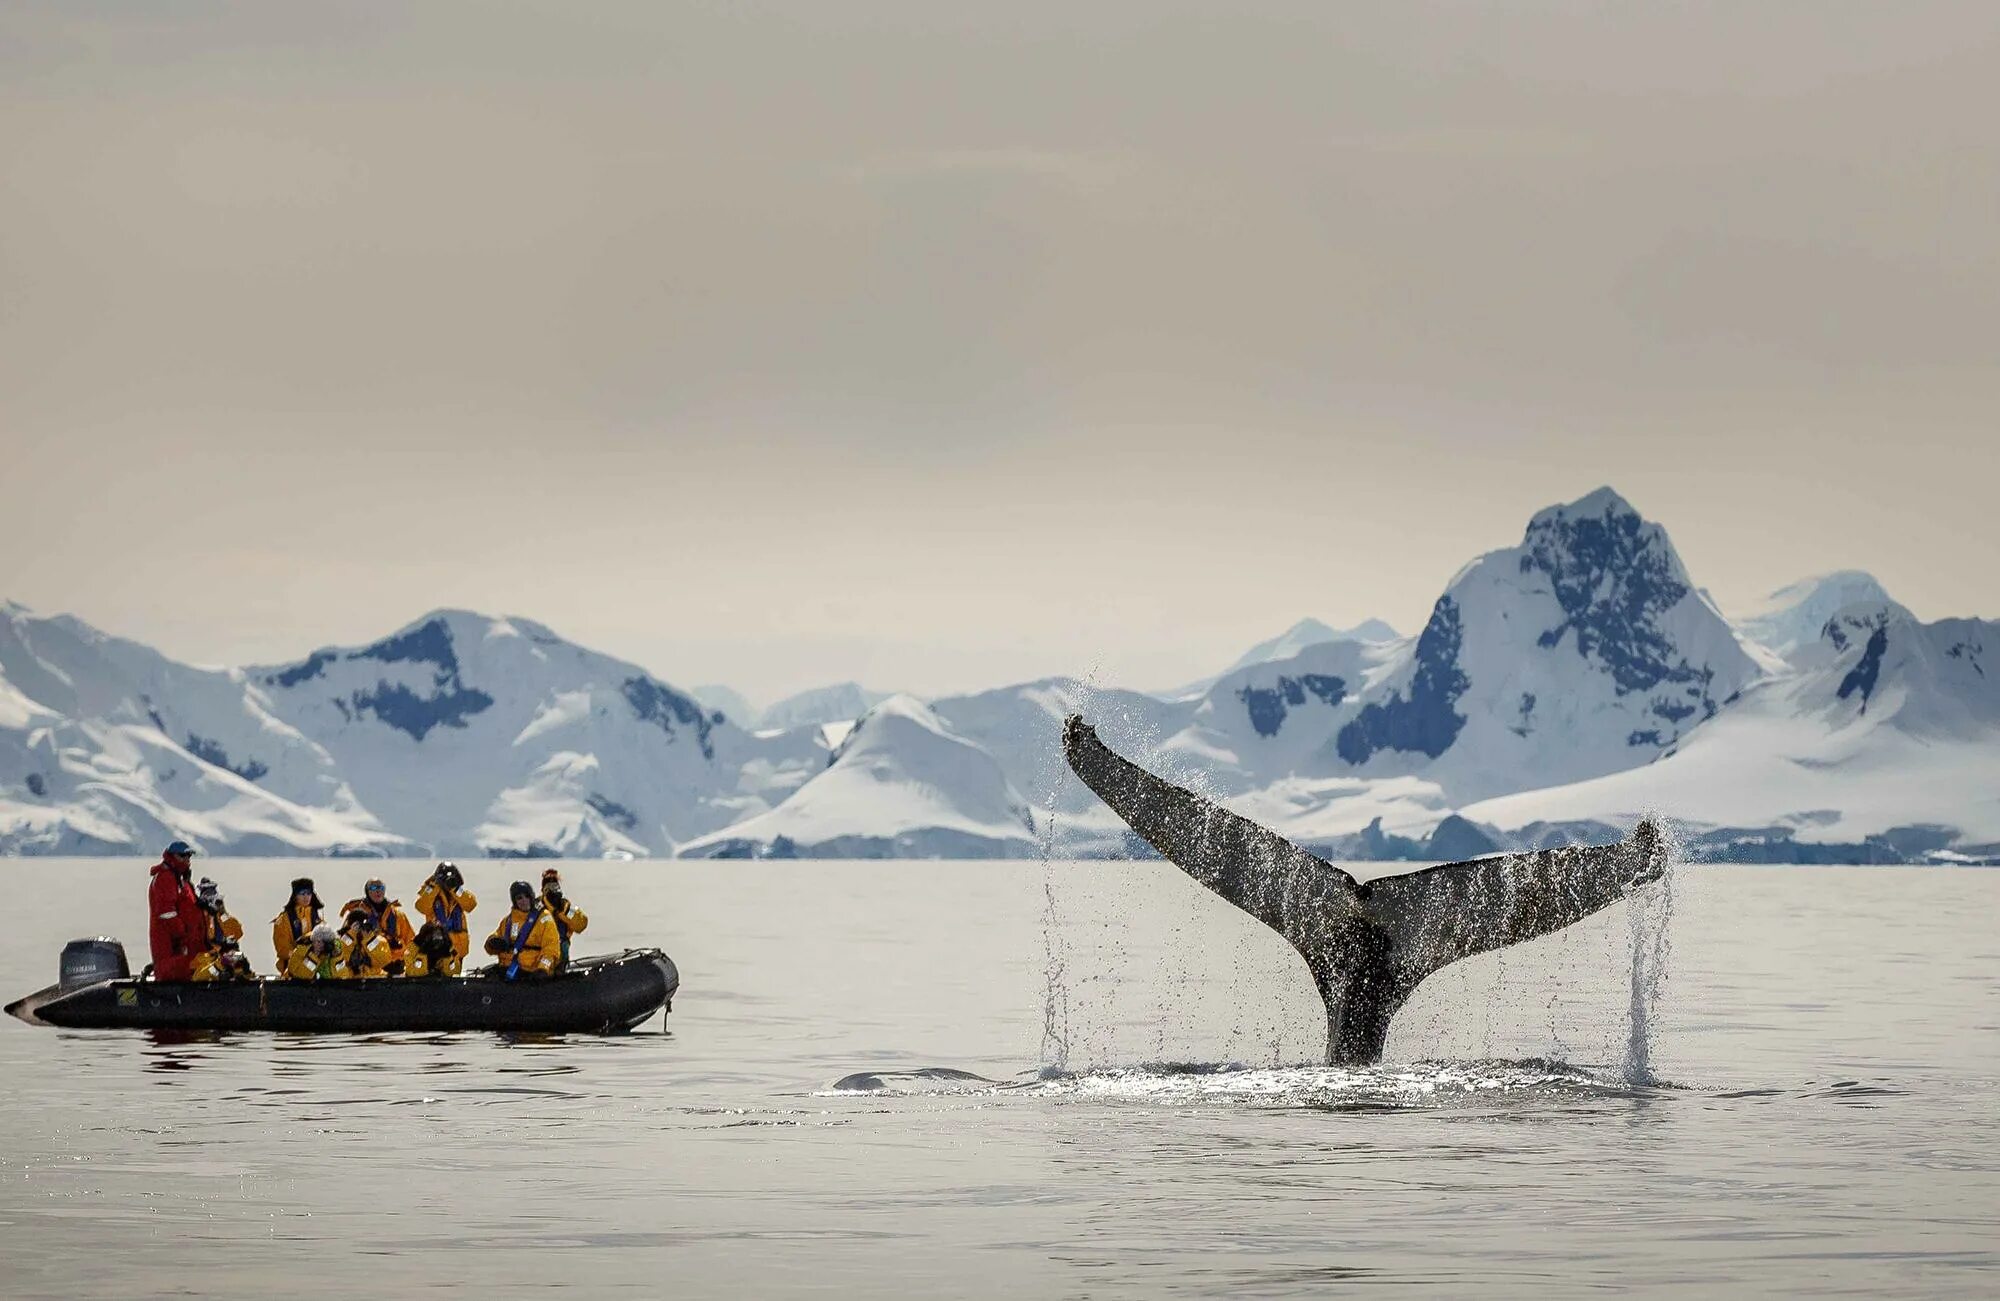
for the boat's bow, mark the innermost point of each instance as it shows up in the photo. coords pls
(25, 1008)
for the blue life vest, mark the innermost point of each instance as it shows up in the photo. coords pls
(450, 916)
(381, 916)
(521, 935)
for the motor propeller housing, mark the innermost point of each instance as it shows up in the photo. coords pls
(88, 961)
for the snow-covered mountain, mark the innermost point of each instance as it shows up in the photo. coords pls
(1021, 727)
(728, 702)
(106, 745)
(1584, 650)
(1561, 687)
(1883, 744)
(1791, 618)
(1564, 686)
(902, 785)
(459, 733)
(1310, 632)
(1287, 644)
(843, 702)
(475, 734)
(1271, 720)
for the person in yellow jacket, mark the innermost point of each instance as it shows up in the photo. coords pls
(569, 919)
(526, 943)
(319, 957)
(445, 901)
(221, 956)
(212, 965)
(365, 954)
(390, 923)
(290, 928)
(431, 953)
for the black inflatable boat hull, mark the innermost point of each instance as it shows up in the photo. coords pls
(603, 995)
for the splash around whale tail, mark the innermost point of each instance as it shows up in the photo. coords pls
(1368, 945)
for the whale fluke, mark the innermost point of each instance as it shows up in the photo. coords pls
(1368, 945)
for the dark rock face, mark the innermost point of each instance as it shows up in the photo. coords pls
(1456, 837)
(403, 709)
(212, 752)
(1613, 584)
(1673, 712)
(37, 787)
(408, 712)
(666, 708)
(393, 703)
(1267, 706)
(1615, 580)
(428, 643)
(1969, 652)
(1373, 844)
(1426, 721)
(1524, 715)
(613, 812)
(1905, 844)
(309, 667)
(1863, 675)
(1459, 838)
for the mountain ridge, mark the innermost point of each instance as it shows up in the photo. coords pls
(1560, 687)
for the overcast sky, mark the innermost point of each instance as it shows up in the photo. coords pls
(942, 345)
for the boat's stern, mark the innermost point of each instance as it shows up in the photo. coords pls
(86, 964)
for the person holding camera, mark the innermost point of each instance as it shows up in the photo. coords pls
(444, 902)
(569, 918)
(526, 943)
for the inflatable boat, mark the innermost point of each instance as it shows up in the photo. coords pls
(601, 995)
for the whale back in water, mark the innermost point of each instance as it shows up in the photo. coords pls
(1368, 945)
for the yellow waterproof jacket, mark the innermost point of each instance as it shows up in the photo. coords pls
(448, 909)
(417, 965)
(528, 944)
(390, 922)
(364, 957)
(289, 930)
(208, 966)
(221, 927)
(331, 965)
(569, 919)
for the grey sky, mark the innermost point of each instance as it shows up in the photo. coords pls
(939, 346)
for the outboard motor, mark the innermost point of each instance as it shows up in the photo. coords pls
(87, 962)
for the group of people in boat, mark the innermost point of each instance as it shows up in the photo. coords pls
(195, 938)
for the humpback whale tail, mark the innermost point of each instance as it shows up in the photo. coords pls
(1367, 945)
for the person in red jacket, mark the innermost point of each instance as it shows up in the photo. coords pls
(179, 927)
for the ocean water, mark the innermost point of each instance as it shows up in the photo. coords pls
(1064, 1080)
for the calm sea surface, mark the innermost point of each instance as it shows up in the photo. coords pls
(1770, 1081)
